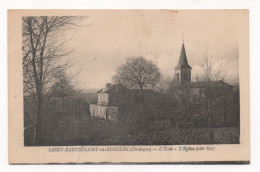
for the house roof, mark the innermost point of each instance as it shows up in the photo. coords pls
(119, 88)
(113, 88)
(183, 61)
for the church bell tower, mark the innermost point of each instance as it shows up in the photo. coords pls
(183, 69)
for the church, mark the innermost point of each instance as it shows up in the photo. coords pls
(216, 95)
(114, 96)
(183, 78)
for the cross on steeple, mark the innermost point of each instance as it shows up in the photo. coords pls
(182, 38)
(183, 69)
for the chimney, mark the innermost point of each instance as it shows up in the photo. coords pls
(108, 85)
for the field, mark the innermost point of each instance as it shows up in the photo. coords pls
(88, 131)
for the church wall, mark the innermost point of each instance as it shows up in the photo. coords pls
(184, 75)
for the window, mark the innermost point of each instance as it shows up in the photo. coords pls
(178, 76)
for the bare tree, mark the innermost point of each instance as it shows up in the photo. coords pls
(184, 101)
(178, 97)
(43, 52)
(138, 72)
(212, 86)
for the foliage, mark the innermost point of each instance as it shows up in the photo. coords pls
(138, 72)
(43, 58)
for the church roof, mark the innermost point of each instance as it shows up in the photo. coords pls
(201, 84)
(183, 62)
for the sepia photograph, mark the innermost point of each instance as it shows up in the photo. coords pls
(133, 78)
(157, 84)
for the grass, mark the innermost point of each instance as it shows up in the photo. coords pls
(88, 131)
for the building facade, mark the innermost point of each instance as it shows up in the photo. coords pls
(118, 98)
(107, 101)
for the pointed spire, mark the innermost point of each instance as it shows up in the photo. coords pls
(183, 62)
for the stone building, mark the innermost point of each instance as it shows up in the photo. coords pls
(107, 100)
(220, 91)
(118, 98)
(183, 78)
(115, 99)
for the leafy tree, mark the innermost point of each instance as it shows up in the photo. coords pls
(63, 88)
(138, 72)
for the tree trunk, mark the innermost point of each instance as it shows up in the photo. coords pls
(142, 92)
(143, 109)
(63, 104)
(38, 132)
(185, 121)
(209, 120)
(185, 117)
(155, 126)
(38, 127)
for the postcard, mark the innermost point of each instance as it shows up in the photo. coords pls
(128, 86)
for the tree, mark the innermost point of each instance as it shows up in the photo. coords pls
(183, 95)
(43, 53)
(211, 79)
(63, 88)
(178, 98)
(138, 72)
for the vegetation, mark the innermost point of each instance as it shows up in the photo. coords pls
(91, 131)
(44, 61)
(137, 72)
(213, 93)
(157, 110)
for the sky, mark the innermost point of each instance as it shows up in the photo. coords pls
(106, 37)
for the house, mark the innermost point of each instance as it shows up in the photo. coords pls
(107, 99)
(117, 98)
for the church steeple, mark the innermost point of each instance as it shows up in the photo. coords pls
(183, 69)
(183, 61)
